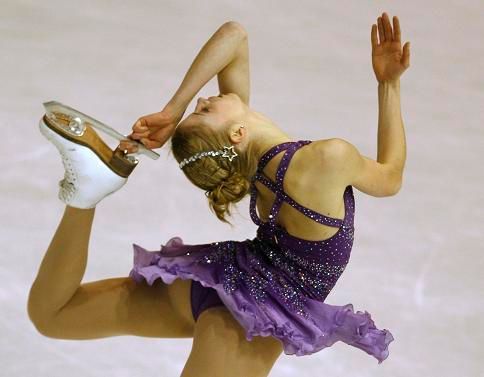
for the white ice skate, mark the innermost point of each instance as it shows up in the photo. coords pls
(92, 170)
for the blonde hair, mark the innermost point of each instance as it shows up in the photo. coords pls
(225, 182)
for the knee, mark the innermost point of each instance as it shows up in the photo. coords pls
(42, 324)
(40, 320)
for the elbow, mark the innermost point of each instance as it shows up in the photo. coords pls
(396, 187)
(395, 177)
(234, 25)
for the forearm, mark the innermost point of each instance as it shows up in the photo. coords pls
(391, 133)
(215, 55)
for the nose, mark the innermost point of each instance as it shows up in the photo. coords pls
(200, 102)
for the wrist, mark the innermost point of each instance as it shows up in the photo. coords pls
(395, 83)
(175, 108)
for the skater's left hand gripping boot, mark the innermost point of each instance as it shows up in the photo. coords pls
(92, 170)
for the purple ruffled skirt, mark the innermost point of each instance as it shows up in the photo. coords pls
(241, 293)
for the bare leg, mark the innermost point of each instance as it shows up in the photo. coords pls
(63, 265)
(220, 348)
(61, 307)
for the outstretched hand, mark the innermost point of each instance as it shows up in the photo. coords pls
(152, 130)
(388, 60)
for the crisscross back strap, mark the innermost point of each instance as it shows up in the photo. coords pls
(266, 157)
(277, 188)
(289, 148)
(272, 152)
(280, 173)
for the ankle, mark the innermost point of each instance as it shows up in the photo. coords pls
(79, 211)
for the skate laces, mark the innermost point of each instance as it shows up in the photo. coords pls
(67, 184)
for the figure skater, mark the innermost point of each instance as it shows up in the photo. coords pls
(243, 302)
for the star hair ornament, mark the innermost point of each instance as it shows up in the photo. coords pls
(227, 152)
(224, 153)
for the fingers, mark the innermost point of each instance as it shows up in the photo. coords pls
(374, 40)
(396, 29)
(140, 130)
(381, 33)
(139, 135)
(406, 55)
(128, 146)
(387, 28)
(140, 126)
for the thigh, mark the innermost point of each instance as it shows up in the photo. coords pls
(120, 306)
(220, 348)
(161, 310)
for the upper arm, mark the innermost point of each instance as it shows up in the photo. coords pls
(234, 77)
(367, 175)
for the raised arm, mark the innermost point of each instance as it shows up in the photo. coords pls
(235, 77)
(384, 176)
(225, 54)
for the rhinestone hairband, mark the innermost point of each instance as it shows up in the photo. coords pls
(223, 152)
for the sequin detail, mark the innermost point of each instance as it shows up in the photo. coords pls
(312, 267)
(281, 264)
(275, 284)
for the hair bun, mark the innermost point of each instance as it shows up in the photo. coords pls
(230, 190)
(223, 181)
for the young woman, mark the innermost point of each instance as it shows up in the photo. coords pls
(243, 302)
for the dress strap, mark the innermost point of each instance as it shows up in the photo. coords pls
(290, 147)
(280, 173)
(276, 149)
(266, 157)
(281, 195)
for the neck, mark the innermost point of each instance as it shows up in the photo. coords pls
(263, 133)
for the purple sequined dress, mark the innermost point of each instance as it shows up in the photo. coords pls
(275, 284)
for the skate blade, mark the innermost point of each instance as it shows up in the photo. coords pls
(78, 119)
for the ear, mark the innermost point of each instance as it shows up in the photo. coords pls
(237, 134)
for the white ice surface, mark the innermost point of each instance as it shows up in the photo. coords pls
(418, 257)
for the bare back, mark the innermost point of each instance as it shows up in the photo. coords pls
(313, 185)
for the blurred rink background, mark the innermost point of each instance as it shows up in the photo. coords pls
(418, 257)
